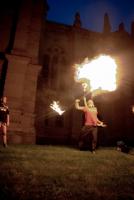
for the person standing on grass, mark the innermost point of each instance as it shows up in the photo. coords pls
(4, 119)
(91, 123)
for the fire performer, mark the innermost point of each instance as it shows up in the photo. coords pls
(91, 122)
(4, 119)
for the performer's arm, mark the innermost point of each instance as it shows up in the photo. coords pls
(8, 120)
(85, 102)
(77, 106)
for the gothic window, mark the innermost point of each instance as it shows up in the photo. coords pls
(54, 72)
(59, 122)
(54, 67)
(46, 122)
(45, 69)
(63, 71)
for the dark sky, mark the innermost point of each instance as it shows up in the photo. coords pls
(92, 12)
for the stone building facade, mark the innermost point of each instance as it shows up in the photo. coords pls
(36, 62)
(20, 28)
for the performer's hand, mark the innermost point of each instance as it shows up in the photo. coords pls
(101, 124)
(77, 100)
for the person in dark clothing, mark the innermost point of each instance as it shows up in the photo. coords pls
(4, 119)
(121, 146)
(91, 122)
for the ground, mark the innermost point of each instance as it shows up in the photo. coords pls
(48, 172)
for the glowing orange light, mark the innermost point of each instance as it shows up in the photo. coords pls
(55, 106)
(101, 72)
(132, 108)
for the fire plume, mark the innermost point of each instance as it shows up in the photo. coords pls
(101, 73)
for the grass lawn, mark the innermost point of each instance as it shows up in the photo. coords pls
(31, 172)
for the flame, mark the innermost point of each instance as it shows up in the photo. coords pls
(101, 72)
(55, 106)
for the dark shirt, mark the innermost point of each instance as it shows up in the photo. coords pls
(4, 111)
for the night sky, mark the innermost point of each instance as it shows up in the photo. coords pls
(92, 12)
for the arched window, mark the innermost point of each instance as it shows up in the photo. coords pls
(54, 72)
(63, 71)
(59, 122)
(54, 67)
(45, 68)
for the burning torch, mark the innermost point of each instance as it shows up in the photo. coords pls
(100, 73)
